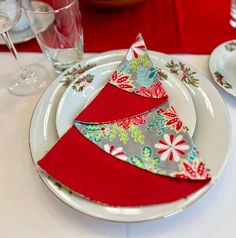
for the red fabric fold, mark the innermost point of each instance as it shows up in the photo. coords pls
(86, 169)
(113, 103)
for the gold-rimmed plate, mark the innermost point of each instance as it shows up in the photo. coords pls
(212, 135)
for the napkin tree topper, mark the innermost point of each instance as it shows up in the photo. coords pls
(155, 140)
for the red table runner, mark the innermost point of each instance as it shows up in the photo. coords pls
(179, 26)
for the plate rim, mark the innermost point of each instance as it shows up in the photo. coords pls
(206, 188)
(212, 69)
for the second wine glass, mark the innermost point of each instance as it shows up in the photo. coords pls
(28, 79)
(58, 29)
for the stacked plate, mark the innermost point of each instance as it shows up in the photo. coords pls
(195, 99)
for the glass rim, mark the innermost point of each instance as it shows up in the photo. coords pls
(50, 11)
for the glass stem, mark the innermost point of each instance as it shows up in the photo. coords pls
(25, 74)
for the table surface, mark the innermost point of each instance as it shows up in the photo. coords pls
(28, 209)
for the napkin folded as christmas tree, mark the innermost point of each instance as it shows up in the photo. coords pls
(129, 147)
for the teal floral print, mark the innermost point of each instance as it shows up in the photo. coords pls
(193, 153)
(158, 72)
(159, 122)
(124, 67)
(142, 77)
(123, 130)
(166, 119)
(146, 161)
(96, 132)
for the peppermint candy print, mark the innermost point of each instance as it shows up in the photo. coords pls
(136, 49)
(171, 147)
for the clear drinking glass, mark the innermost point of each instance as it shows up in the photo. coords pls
(28, 79)
(233, 13)
(58, 29)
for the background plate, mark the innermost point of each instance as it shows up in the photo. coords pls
(222, 65)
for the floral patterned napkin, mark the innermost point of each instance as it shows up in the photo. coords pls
(129, 147)
(154, 140)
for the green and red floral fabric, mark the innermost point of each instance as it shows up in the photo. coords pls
(154, 140)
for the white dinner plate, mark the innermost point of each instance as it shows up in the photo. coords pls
(212, 135)
(222, 65)
(73, 102)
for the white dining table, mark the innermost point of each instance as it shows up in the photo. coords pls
(29, 209)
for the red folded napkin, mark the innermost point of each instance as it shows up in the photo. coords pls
(128, 147)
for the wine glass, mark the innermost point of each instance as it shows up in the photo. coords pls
(58, 29)
(233, 13)
(28, 79)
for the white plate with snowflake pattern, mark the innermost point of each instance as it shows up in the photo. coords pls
(222, 65)
(212, 120)
(83, 89)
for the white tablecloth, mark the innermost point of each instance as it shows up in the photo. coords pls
(28, 209)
